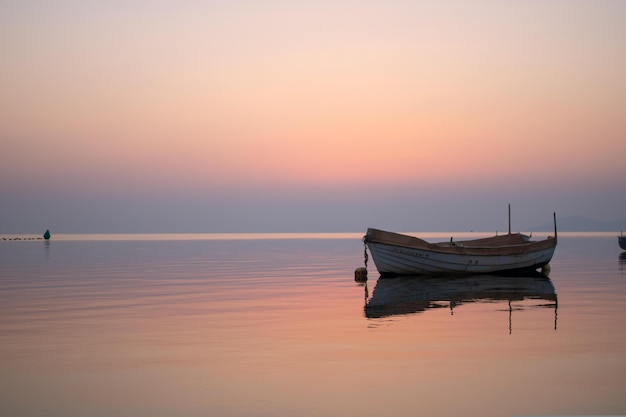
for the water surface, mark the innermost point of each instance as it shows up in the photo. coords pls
(260, 325)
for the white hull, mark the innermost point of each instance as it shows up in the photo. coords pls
(403, 261)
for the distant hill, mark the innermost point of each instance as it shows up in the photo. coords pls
(582, 224)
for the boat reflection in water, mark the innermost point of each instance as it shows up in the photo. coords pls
(417, 294)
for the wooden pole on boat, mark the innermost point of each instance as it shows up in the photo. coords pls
(554, 214)
(509, 218)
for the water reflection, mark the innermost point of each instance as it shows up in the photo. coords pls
(622, 261)
(411, 295)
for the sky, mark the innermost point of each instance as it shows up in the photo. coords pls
(309, 116)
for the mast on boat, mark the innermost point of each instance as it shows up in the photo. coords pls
(509, 218)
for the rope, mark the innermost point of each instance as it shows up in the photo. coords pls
(365, 250)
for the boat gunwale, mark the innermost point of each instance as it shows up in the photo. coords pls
(460, 247)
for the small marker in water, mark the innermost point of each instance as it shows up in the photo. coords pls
(360, 274)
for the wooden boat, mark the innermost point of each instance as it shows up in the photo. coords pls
(400, 254)
(622, 241)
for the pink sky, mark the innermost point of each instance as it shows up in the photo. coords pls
(178, 96)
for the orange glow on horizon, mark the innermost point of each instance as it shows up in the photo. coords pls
(324, 95)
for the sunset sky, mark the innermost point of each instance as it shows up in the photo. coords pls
(329, 116)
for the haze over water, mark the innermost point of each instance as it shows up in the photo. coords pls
(239, 325)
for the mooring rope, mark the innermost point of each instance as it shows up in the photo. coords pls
(365, 250)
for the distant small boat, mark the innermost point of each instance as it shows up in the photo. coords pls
(399, 254)
(622, 241)
(46, 235)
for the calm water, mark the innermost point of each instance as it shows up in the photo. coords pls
(275, 325)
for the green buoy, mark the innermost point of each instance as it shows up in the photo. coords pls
(46, 235)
